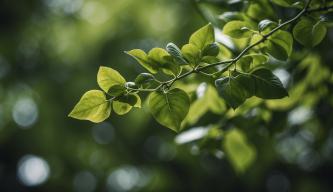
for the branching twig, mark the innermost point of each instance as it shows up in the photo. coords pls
(229, 62)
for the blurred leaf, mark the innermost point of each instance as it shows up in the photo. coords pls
(191, 53)
(211, 50)
(239, 151)
(309, 32)
(174, 51)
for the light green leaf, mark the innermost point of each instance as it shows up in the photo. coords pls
(93, 106)
(235, 90)
(124, 104)
(309, 32)
(237, 29)
(191, 53)
(170, 108)
(239, 151)
(163, 60)
(203, 37)
(143, 60)
(279, 45)
(250, 61)
(108, 77)
(267, 85)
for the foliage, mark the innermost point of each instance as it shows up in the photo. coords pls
(250, 77)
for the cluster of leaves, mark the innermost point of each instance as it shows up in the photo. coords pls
(265, 40)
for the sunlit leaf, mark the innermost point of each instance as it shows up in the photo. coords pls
(203, 37)
(108, 77)
(93, 106)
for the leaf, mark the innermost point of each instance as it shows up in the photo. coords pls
(144, 78)
(124, 104)
(170, 108)
(203, 37)
(191, 53)
(235, 90)
(143, 60)
(239, 151)
(230, 16)
(92, 106)
(267, 85)
(211, 50)
(279, 45)
(116, 90)
(237, 29)
(309, 32)
(163, 60)
(250, 61)
(175, 52)
(266, 23)
(108, 77)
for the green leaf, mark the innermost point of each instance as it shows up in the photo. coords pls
(108, 77)
(203, 37)
(230, 16)
(175, 52)
(163, 60)
(237, 29)
(239, 151)
(266, 23)
(267, 85)
(124, 104)
(93, 106)
(116, 90)
(211, 50)
(235, 90)
(279, 45)
(191, 53)
(170, 108)
(143, 60)
(144, 78)
(250, 61)
(309, 32)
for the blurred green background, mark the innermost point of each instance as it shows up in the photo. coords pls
(50, 51)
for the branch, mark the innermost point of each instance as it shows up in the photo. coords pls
(229, 62)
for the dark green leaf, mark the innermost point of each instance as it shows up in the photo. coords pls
(143, 78)
(211, 50)
(267, 85)
(117, 90)
(309, 32)
(235, 90)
